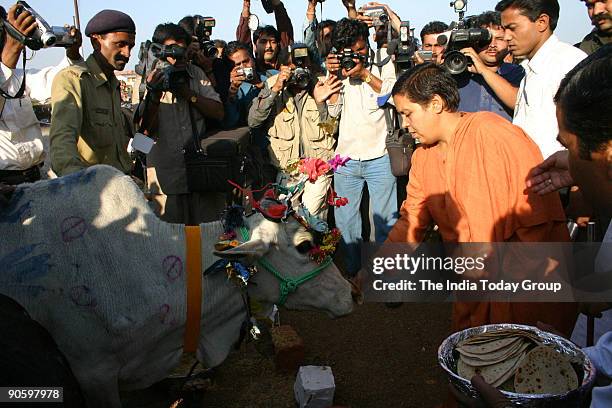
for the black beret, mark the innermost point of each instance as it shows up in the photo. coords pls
(110, 21)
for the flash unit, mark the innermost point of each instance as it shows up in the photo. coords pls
(459, 5)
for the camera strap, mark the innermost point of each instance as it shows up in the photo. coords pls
(375, 57)
(197, 139)
(22, 88)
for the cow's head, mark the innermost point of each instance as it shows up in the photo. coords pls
(284, 246)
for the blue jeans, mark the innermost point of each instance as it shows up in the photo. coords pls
(348, 182)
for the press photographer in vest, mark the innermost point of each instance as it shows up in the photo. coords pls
(292, 109)
(179, 99)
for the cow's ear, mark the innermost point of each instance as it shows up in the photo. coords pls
(255, 249)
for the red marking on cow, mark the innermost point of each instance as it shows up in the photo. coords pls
(83, 296)
(73, 228)
(173, 267)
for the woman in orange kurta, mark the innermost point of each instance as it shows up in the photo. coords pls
(468, 177)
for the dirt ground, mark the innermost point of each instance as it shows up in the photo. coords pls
(380, 357)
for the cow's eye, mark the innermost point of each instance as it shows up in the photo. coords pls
(304, 247)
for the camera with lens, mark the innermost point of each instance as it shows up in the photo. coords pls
(347, 58)
(203, 31)
(378, 15)
(461, 36)
(301, 76)
(43, 36)
(173, 77)
(248, 72)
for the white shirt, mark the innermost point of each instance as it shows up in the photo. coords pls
(363, 128)
(601, 353)
(21, 145)
(535, 109)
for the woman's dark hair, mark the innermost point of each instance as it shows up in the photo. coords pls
(585, 100)
(233, 47)
(166, 31)
(347, 32)
(435, 27)
(532, 9)
(422, 82)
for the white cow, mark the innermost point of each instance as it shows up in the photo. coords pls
(88, 260)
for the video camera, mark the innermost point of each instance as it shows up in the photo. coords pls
(44, 35)
(203, 31)
(301, 76)
(403, 48)
(173, 77)
(461, 36)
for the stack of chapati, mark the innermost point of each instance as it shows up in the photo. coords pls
(515, 360)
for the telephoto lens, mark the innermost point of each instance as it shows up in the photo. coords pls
(209, 49)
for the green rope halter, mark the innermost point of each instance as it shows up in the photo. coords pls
(287, 285)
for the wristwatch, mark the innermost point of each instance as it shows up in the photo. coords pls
(193, 98)
(368, 78)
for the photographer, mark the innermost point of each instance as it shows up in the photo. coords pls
(21, 141)
(267, 48)
(529, 27)
(317, 36)
(284, 26)
(87, 125)
(245, 84)
(490, 84)
(429, 41)
(291, 109)
(362, 134)
(212, 67)
(179, 99)
(602, 20)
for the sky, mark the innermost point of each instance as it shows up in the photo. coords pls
(573, 24)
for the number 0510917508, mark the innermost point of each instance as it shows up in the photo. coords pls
(31, 394)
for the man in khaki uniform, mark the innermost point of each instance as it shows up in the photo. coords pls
(602, 20)
(87, 125)
(292, 114)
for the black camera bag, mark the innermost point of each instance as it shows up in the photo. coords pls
(215, 159)
(398, 142)
(400, 146)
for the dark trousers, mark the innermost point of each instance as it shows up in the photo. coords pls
(15, 177)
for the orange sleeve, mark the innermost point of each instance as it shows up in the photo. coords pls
(505, 155)
(414, 215)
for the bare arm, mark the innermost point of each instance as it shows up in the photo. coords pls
(25, 23)
(350, 8)
(502, 88)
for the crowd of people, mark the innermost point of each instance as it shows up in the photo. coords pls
(500, 148)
